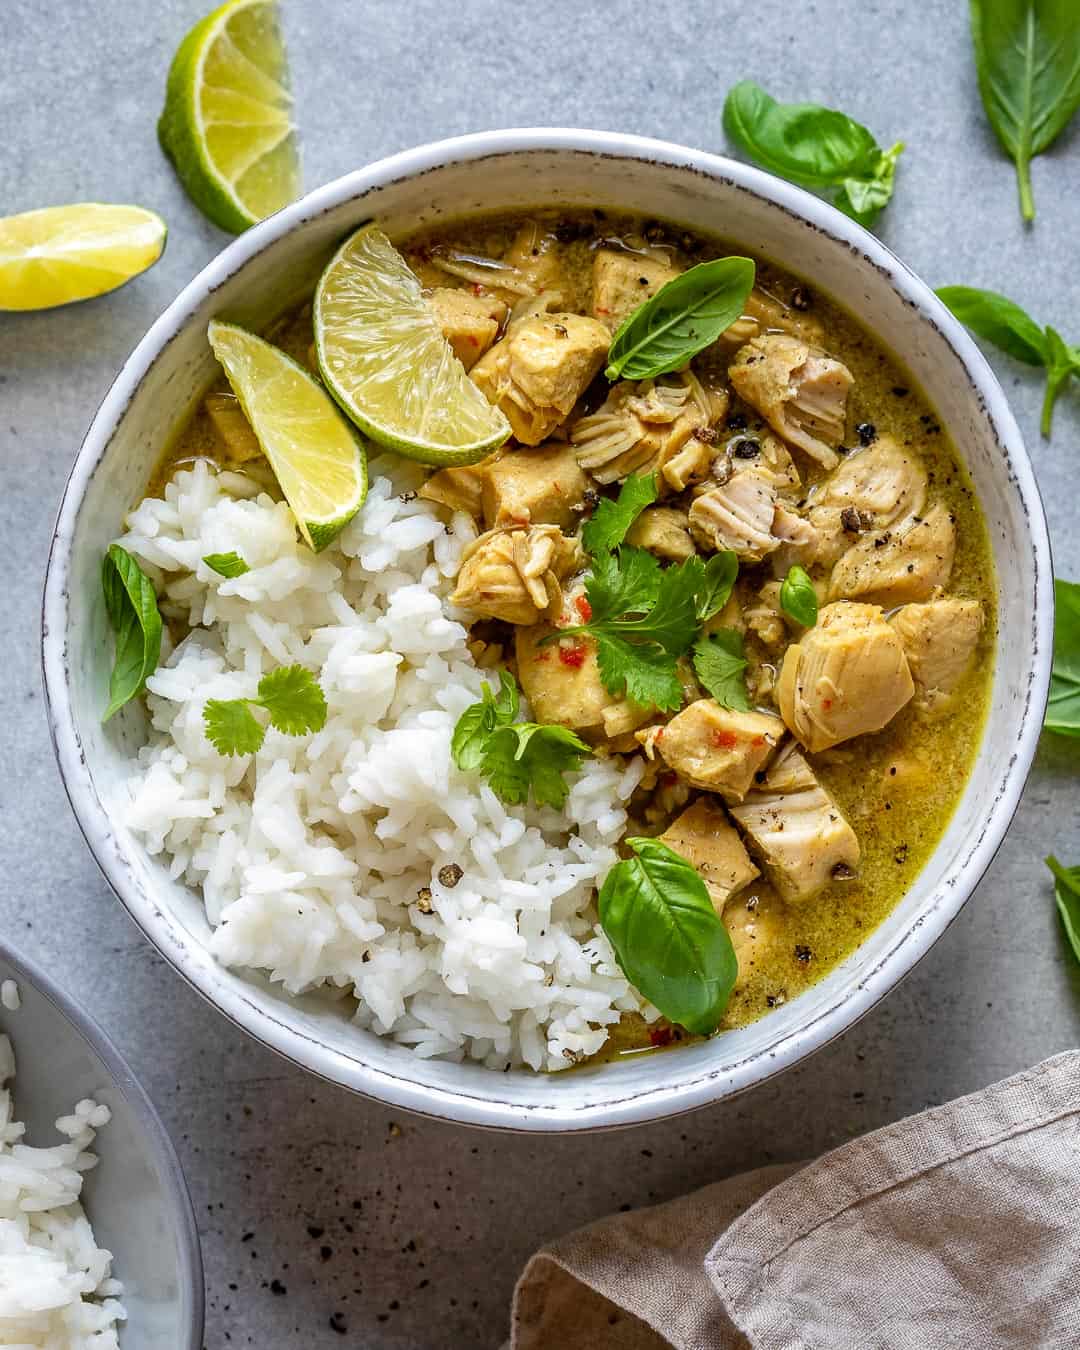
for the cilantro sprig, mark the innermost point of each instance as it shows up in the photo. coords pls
(289, 694)
(515, 757)
(720, 664)
(610, 523)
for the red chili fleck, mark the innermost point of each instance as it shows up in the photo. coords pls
(725, 740)
(668, 779)
(583, 608)
(826, 703)
(574, 656)
(661, 1035)
(543, 655)
(601, 310)
(473, 341)
(758, 741)
(477, 289)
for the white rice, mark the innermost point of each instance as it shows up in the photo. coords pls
(310, 854)
(56, 1291)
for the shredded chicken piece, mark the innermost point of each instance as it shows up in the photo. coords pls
(623, 281)
(715, 748)
(544, 486)
(737, 515)
(846, 676)
(765, 618)
(641, 427)
(469, 322)
(872, 490)
(903, 566)
(706, 838)
(663, 530)
(540, 369)
(800, 543)
(516, 574)
(801, 392)
(459, 489)
(939, 640)
(765, 314)
(533, 263)
(562, 683)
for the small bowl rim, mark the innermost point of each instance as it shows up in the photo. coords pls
(710, 1084)
(167, 1165)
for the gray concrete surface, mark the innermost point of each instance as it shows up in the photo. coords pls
(313, 1204)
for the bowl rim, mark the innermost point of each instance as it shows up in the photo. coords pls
(708, 1085)
(170, 1173)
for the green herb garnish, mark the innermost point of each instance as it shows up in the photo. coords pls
(1027, 55)
(289, 694)
(1067, 895)
(1063, 708)
(1001, 321)
(720, 664)
(814, 146)
(669, 940)
(515, 756)
(607, 527)
(131, 604)
(712, 581)
(798, 599)
(228, 565)
(682, 318)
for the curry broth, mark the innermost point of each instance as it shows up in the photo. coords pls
(897, 788)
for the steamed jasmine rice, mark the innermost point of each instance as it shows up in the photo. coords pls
(56, 1290)
(359, 857)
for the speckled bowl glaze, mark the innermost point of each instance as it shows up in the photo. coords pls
(256, 277)
(135, 1198)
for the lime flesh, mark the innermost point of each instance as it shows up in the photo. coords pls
(65, 253)
(384, 358)
(316, 456)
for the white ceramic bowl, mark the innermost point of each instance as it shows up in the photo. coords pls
(135, 1198)
(252, 280)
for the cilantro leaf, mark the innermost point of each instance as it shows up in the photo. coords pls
(611, 520)
(228, 565)
(720, 663)
(713, 581)
(515, 757)
(624, 583)
(289, 694)
(646, 674)
(231, 727)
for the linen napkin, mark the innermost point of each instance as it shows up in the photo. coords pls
(955, 1228)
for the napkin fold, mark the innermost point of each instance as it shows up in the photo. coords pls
(955, 1228)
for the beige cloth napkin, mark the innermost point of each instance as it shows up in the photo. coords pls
(956, 1228)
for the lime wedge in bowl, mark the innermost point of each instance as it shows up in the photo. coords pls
(227, 124)
(316, 456)
(65, 253)
(384, 358)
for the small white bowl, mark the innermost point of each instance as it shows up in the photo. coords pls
(275, 262)
(136, 1198)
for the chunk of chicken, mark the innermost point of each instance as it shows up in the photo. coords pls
(769, 456)
(870, 491)
(797, 829)
(846, 676)
(540, 369)
(562, 683)
(234, 430)
(663, 530)
(715, 748)
(755, 924)
(939, 640)
(643, 426)
(533, 264)
(801, 392)
(705, 837)
(538, 487)
(469, 322)
(622, 281)
(460, 489)
(765, 314)
(737, 515)
(799, 541)
(516, 574)
(765, 618)
(900, 567)
(537, 254)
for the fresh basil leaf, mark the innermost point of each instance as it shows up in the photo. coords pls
(1063, 709)
(668, 939)
(680, 320)
(720, 664)
(999, 320)
(1062, 361)
(228, 565)
(865, 198)
(605, 530)
(798, 597)
(131, 606)
(1067, 895)
(1027, 57)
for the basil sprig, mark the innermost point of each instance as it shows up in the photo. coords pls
(815, 147)
(1001, 321)
(683, 318)
(1027, 56)
(1067, 895)
(798, 597)
(131, 604)
(1063, 708)
(669, 940)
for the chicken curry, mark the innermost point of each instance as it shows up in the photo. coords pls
(794, 441)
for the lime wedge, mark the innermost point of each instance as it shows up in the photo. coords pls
(384, 358)
(227, 124)
(64, 253)
(316, 456)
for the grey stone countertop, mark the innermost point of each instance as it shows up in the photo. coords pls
(313, 1203)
